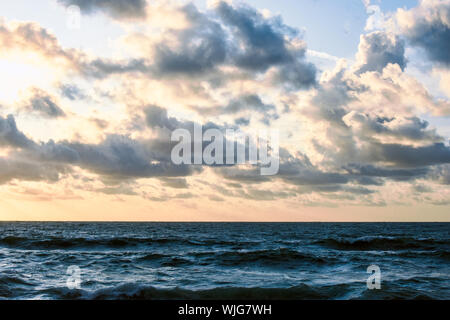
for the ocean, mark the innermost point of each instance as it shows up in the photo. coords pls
(72, 260)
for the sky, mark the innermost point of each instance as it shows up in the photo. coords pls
(91, 92)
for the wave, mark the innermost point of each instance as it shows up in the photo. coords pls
(132, 291)
(381, 243)
(66, 243)
(11, 286)
(408, 289)
(8, 280)
(443, 254)
(355, 290)
(271, 256)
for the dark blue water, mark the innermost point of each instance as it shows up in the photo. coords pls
(224, 260)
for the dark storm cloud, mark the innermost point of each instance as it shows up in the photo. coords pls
(247, 102)
(295, 171)
(71, 92)
(247, 176)
(260, 44)
(441, 173)
(316, 177)
(100, 123)
(409, 156)
(10, 136)
(367, 181)
(120, 9)
(227, 36)
(266, 195)
(296, 76)
(329, 102)
(435, 40)
(410, 128)
(298, 170)
(120, 157)
(178, 183)
(264, 46)
(156, 116)
(101, 68)
(22, 169)
(428, 27)
(116, 158)
(360, 137)
(242, 122)
(25, 163)
(378, 49)
(121, 189)
(342, 188)
(202, 46)
(421, 188)
(369, 171)
(53, 152)
(44, 105)
(207, 44)
(250, 102)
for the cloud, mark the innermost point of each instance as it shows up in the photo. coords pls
(121, 158)
(17, 164)
(369, 171)
(365, 121)
(227, 36)
(115, 158)
(209, 47)
(398, 128)
(21, 169)
(376, 20)
(43, 104)
(31, 37)
(10, 136)
(427, 26)
(262, 44)
(377, 49)
(441, 173)
(202, 46)
(71, 92)
(102, 68)
(178, 183)
(408, 156)
(296, 76)
(119, 9)
(333, 94)
(157, 117)
(248, 102)
(100, 123)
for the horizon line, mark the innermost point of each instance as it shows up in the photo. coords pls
(205, 221)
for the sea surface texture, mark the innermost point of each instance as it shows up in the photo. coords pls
(43, 260)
